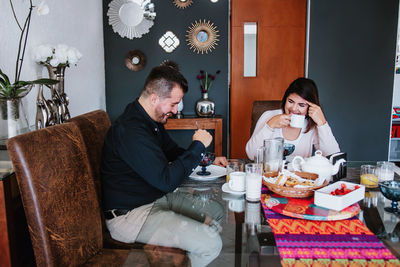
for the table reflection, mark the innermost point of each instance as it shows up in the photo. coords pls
(187, 219)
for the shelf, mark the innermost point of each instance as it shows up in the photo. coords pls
(395, 139)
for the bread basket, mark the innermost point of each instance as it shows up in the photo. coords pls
(300, 192)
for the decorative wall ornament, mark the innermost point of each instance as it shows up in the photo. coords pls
(131, 18)
(182, 3)
(135, 60)
(169, 41)
(202, 36)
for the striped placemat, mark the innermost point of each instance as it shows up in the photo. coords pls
(326, 243)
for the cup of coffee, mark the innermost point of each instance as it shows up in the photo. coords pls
(297, 121)
(237, 181)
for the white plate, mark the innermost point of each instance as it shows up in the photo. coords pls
(226, 189)
(216, 171)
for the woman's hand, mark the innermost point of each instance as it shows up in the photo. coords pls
(279, 121)
(220, 161)
(316, 114)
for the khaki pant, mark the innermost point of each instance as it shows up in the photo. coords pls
(176, 220)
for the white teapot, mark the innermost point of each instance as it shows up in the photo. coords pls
(317, 164)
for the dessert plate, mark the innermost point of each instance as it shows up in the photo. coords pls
(216, 172)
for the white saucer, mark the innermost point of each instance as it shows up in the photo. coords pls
(226, 189)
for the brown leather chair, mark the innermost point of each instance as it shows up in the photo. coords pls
(59, 198)
(93, 127)
(259, 107)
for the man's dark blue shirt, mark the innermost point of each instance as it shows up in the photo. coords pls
(141, 163)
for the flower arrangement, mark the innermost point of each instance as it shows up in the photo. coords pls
(9, 90)
(56, 56)
(206, 80)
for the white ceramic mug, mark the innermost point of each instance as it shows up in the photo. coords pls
(237, 181)
(236, 205)
(297, 121)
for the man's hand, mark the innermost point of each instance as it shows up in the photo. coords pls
(202, 136)
(279, 121)
(220, 161)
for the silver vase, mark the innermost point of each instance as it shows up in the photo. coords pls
(205, 107)
(59, 97)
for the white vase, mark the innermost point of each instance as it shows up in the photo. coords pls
(179, 115)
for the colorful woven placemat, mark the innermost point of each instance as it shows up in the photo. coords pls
(326, 243)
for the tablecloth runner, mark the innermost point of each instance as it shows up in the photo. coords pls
(326, 243)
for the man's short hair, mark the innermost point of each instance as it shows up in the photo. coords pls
(162, 79)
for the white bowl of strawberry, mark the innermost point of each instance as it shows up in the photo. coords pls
(339, 195)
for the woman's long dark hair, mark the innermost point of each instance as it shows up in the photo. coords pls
(307, 89)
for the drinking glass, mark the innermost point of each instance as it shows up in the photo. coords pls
(273, 156)
(368, 176)
(385, 171)
(253, 181)
(234, 165)
(208, 159)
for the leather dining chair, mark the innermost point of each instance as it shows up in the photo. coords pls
(93, 127)
(60, 199)
(259, 107)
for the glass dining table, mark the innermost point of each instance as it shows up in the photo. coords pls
(247, 238)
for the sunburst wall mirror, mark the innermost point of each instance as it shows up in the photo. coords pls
(182, 3)
(135, 60)
(131, 18)
(202, 36)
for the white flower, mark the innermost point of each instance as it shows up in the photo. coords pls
(73, 55)
(42, 52)
(60, 55)
(54, 62)
(42, 9)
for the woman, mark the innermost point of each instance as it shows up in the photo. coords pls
(300, 98)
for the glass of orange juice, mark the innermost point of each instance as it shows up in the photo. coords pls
(368, 176)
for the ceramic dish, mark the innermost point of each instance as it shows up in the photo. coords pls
(216, 172)
(226, 189)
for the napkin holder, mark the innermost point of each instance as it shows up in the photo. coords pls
(342, 167)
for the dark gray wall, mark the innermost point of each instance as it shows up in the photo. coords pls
(352, 52)
(123, 85)
(351, 58)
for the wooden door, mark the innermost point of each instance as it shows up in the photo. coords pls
(281, 35)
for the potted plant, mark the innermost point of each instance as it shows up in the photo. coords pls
(205, 107)
(12, 92)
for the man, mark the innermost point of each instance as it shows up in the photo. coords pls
(142, 166)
